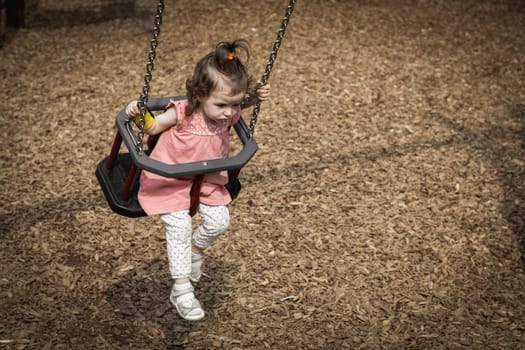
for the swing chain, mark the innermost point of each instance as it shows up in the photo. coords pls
(143, 100)
(271, 61)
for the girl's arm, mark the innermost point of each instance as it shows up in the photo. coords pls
(161, 122)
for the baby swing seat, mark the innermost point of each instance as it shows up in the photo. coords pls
(118, 173)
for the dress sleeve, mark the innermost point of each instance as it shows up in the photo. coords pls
(171, 104)
(180, 108)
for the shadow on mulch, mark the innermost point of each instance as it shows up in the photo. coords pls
(52, 19)
(504, 159)
(513, 185)
(54, 208)
(142, 297)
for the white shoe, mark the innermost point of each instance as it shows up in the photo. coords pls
(186, 304)
(196, 267)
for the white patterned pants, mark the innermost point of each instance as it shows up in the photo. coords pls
(215, 221)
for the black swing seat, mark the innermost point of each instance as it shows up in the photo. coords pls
(117, 174)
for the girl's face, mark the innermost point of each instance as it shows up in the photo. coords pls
(221, 104)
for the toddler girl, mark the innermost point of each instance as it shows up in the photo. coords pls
(193, 129)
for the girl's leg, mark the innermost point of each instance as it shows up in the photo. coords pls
(178, 238)
(215, 221)
(178, 241)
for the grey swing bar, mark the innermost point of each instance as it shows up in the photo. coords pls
(187, 169)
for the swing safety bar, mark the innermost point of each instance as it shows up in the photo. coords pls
(143, 161)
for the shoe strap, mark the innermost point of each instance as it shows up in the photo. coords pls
(178, 293)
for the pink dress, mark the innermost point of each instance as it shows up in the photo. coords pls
(192, 139)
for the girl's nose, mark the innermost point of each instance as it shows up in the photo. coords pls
(229, 112)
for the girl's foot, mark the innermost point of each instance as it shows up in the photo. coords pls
(184, 300)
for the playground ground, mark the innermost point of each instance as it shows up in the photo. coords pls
(385, 208)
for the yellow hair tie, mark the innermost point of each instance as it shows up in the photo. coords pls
(231, 56)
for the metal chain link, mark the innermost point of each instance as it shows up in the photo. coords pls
(271, 61)
(150, 65)
(143, 100)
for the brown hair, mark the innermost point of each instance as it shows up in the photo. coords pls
(223, 62)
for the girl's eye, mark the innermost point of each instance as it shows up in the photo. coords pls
(224, 105)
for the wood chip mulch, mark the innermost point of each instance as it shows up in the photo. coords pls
(385, 208)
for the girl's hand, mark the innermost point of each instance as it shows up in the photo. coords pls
(132, 109)
(263, 92)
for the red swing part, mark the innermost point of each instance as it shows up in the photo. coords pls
(118, 173)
